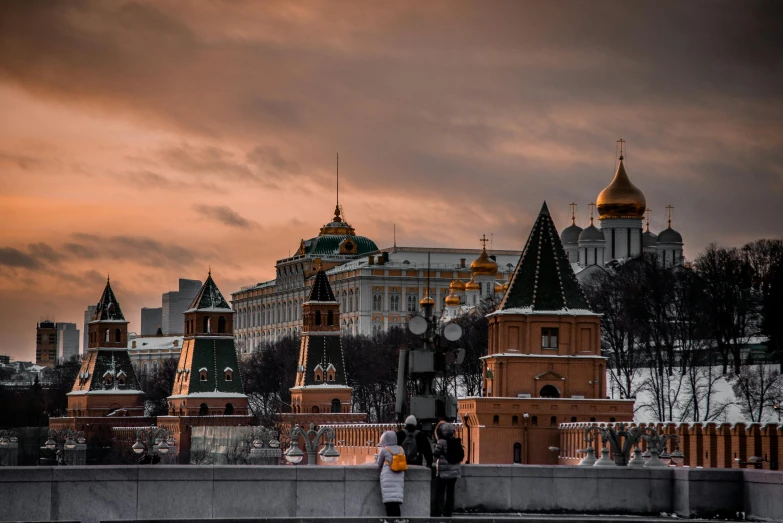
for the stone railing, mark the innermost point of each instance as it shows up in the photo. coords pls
(707, 445)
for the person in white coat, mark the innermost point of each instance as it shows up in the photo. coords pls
(392, 483)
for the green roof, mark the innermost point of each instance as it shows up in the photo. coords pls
(543, 279)
(323, 351)
(114, 362)
(329, 244)
(108, 308)
(209, 297)
(215, 354)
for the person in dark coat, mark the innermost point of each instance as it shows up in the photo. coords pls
(423, 447)
(447, 473)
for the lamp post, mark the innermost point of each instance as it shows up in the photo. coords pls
(266, 447)
(9, 448)
(69, 446)
(776, 408)
(152, 443)
(622, 441)
(312, 439)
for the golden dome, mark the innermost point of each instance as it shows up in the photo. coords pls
(451, 299)
(483, 265)
(457, 285)
(498, 288)
(472, 286)
(621, 198)
(426, 301)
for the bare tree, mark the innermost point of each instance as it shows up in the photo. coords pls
(757, 388)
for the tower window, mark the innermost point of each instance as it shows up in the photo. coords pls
(229, 373)
(330, 317)
(202, 374)
(221, 325)
(549, 338)
(206, 325)
(336, 405)
(107, 335)
(117, 336)
(495, 420)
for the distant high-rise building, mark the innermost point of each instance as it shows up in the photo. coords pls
(175, 303)
(67, 341)
(46, 343)
(151, 319)
(87, 319)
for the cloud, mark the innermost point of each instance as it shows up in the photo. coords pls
(141, 249)
(224, 215)
(11, 257)
(208, 161)
(45, 252)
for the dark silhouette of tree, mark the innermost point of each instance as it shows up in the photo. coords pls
(157, 386)
(268, 375)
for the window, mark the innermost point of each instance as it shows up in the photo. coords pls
(107, 335)
(553, 421)
(206, 325)
(203, 410)
(573, 419)
(377, 302)
(411, 303)
(394, 302)
(517, 453)
(229, 410)
(534, 421)
(317, 317)
(117, 336)
(549, 338)
(154, 367)
(515, 420)
(336, 405)
(221, 325)
(202, 374)
(229, 374)
(330, 317)
(107, 380)
(495, 419)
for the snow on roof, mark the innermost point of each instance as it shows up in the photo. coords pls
(204, 369)
(530, 311)
(228, 369)
(156, 342)
(213, 394)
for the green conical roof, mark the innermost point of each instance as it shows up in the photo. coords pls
(321, 290)
(544, 279)
(209, 298)
(108, 308)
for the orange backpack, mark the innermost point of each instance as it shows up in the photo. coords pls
(398, 462)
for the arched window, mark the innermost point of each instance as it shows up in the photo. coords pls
(107, 336)
(336, 405)
(203, 410)
(315, 409)
(107, 379)
(317, 317)
(517, 452)
(202, 374)
(117, 336)
(229, 410)
(221, 325)
(229, 373)
(330, 317)
(206, 325)
(549, 391)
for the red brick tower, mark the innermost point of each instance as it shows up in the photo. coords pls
(544, 365)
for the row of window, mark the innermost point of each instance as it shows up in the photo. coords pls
(107, 337)
(207, 327)
(534, 420)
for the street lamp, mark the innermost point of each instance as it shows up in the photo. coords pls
(151, 443)
(312, 441)
(776, 408)
(266, 447)
(69, 446)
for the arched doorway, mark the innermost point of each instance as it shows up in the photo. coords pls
(229, 409)
(549, 391)
(336, 405)
(315, 409)
(203, 410)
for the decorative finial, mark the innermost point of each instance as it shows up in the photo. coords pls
(210, 270)
(484, 241)
(107, 278)
(669, 211)
(337, 205)
(592, 207)
(621, 142)
(573, 212)
(648, 219)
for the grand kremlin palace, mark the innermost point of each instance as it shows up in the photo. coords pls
(380, 288)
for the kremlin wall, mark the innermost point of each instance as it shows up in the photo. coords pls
(543, 377)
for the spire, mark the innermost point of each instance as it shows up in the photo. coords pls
(669, 209)
(648, 219)
(621, 142)
(573, 212)
(209, 297)
(592, 207)
(108, 308)
(321, 290)
(543, 279)
(544, 209)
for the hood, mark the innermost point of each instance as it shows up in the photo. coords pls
(388, 439)
(445, 430)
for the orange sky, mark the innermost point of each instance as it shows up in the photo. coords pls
(151, 140)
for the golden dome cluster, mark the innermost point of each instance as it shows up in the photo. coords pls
(483, 265)
(451, 299)
(621, 198)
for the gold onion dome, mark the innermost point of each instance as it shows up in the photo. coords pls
(451, 299)
(483, 265)
(457, 285)
(472, 286)
(498, 287)
(426, 301)
(621, 198)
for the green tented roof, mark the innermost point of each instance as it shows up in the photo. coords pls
(215, 354)
(114, 362)
(108, 308)
(324, 350)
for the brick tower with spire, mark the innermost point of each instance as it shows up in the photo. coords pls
(106, 380)
(544, 365)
